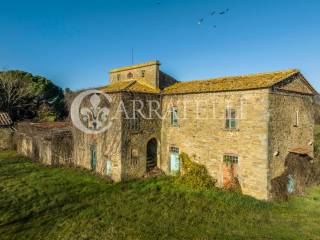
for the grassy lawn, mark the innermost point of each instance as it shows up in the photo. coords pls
(38, 202)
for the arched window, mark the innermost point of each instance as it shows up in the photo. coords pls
(130, 75)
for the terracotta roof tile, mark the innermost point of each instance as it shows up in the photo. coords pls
(244, 82)
(129, 86)
(300, 150)
(5, 120)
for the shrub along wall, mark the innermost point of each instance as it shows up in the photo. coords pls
(195, 175)
(317, 114)
(301, 172)
(6, 138)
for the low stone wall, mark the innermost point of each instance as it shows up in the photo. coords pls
(48, 146)
(6, 135)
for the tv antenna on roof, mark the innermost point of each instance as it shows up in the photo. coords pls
(132, 56)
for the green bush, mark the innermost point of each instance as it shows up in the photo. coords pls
(317, 141)
(195, 175)
(46, 114)
(317, 149)
(317, 113)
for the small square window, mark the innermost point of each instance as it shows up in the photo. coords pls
(233, 159)
(174, 150)
(130, 75)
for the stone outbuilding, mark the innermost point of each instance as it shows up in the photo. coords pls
(47, 143)
(249, 122)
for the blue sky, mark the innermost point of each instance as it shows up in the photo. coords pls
(75, 43)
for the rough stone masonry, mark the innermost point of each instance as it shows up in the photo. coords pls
(252, 122)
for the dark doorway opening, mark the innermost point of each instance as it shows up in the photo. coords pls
(151, 154)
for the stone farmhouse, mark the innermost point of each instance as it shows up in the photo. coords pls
(249, 122)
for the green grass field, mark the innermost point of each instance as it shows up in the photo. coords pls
(38, 202)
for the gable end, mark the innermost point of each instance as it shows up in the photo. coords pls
(296, 84)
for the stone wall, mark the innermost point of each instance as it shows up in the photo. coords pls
(147, 73)
(134, 141)
(50, 147)
(107, 144)
(6, 138)
(284, 133)
(201, 133)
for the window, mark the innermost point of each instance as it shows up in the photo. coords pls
(143, 72)
(174, 150)
(130, 75)
(174, 116)
(230, 159)
(135, 123)
(93, 153)
(174, 160)
(118, 77)
(296, 120)
(134, 157)
(230, 171)
(108, 167)
(231, 122)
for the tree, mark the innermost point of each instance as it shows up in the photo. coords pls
(22, 94)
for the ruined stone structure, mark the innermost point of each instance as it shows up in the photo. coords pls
(6, 131)
(47, 143)
(249, 122)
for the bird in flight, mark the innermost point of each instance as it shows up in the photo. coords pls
(223, 12)
(212, 13)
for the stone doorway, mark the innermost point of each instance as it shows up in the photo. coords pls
(152, 149)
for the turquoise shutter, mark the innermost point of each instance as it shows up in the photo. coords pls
(108, 168)
(93, 150)
(174, 162)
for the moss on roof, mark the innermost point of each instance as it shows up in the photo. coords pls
(146, 64)
(129, 86)
(244, 82)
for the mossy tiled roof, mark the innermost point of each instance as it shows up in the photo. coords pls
(129, 86)
(235, 83)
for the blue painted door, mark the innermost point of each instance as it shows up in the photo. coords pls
(174, 162)
(93, 150)
(290, 185)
